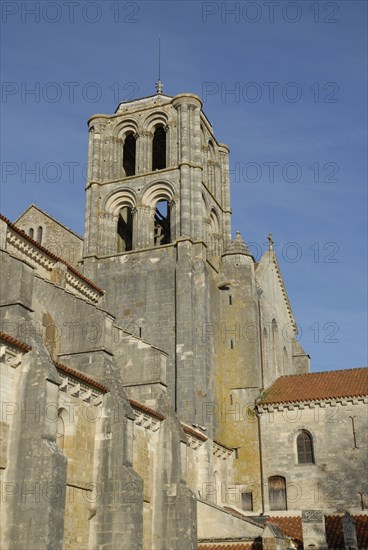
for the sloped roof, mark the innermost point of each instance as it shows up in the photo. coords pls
(292, 527)
(237, 246)
(14, 342)
(81, 376)
(316, 386)
(51, 254)
(270, 257)
(195, 433)
(335, 533)
(230, 546)
(148, 410)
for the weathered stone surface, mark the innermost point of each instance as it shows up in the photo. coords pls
(130, 384)
(314, 532)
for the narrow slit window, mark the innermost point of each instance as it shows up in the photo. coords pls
(231, 343)
(39, 234)
(230, 300)
(129, 154)
(159, 149)
(31, 232)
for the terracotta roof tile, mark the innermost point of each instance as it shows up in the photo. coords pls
(144, 408)
(290, 526)
(14, 342)
(191, 431)
(319, 385)
(81, 376)
(230, 546)
(51, 254)
(335, 534)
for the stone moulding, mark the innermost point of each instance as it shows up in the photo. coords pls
(221, 452)
(310, 404)
(33, 252)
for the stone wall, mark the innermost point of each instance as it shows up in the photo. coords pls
(337, 476)
(51, 234)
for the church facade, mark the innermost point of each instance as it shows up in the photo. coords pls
(154, 390)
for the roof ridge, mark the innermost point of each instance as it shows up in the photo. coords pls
(320, 372)
(51, 254)
(51, 217)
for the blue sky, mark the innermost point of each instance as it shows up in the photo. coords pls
(284, 85)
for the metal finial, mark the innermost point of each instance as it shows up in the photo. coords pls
(270, 240)
(159, 85)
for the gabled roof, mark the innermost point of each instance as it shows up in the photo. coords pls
(51, 218)
(268, 257)
(51, 254)
(317, 386)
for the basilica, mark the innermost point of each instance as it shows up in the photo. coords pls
(154, 392)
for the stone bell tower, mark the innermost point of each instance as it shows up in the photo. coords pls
(155, 150)
(157, 222)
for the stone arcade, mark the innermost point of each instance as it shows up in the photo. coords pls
(154, 393)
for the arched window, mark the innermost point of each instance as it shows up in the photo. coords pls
(304, 445)
(129, 153)
(159, 149)
(214, 236)
(277, 493)
(31, 232)
(125, 229)
(162, 229)
(39, 234)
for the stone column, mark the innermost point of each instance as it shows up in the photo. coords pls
(225, 192)
(143, 227)
(185, 214)
(197, 172)
(189, 139)
(108, 237)
(140, 152)
(117, 158)
(146, 147)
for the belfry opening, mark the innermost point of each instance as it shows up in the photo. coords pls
(125, 229)
(159, 149)
(162, 230)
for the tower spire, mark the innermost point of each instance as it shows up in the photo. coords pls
(159, 85)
